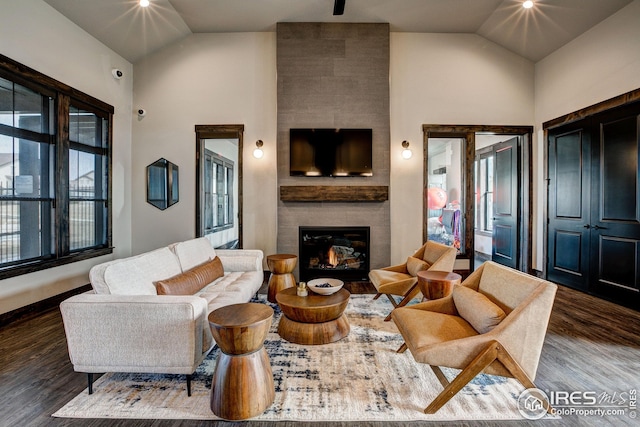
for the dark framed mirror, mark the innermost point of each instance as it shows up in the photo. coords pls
(219, 184)
(162, 184)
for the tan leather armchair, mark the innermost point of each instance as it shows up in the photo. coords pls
(494, 322)
(401, 280)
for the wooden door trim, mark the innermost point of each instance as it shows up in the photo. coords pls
(600, 107)
(217, 132)
(468, 132)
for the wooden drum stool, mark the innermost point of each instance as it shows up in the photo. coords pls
(242, 385)
(437, 284)
(281, 267)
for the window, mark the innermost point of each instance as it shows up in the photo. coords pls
(88, 165)
(218, 191)
(53, 185)
(484, 193)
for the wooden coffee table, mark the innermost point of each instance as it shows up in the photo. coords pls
(314, 319)
(242, 384)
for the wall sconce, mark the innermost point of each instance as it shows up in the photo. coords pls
(258, 153)
(406, 153)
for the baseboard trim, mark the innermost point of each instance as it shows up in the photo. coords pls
(39, 307)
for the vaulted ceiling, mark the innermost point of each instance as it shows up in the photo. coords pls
(134, 32)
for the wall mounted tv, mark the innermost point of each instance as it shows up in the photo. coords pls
(330, 152)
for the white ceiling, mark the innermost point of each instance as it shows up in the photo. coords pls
(134, 32)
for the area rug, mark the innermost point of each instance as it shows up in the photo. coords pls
(359, 378)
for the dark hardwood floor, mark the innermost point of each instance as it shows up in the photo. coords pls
(591, 345)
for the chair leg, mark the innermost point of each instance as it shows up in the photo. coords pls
(188, 385)
(377, 296)
(443, 380)
(393, 301)
(493, 351)
(402, 348)
(408, 297)
(516, 370)
(482, 360)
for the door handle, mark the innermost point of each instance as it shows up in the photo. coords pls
(587, 226)
(597, 227)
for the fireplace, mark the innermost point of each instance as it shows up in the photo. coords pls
(339, 252)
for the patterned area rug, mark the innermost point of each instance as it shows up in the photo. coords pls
(360, 378)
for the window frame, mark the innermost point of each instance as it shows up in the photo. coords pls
(482, 217)
(63, 96)
(211, 190)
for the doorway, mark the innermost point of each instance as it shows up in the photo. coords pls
(510, 227)
(219, 184)
(497, 199)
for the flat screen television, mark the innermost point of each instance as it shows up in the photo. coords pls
(330, 152)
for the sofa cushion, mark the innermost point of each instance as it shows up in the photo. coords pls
(477, 309)
(192, 280)
(193, 252)
(135, 275)
(414, 265)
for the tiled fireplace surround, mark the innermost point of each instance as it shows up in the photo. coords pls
(334, 76)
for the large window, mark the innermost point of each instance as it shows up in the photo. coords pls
(54, 172)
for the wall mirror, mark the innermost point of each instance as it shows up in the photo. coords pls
(162, 184)
(219, 184)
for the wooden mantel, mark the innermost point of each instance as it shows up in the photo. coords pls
(334, 193)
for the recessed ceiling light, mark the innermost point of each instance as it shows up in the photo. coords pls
(527, 4)
(144, 3)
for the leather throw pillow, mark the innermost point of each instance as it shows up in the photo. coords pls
(474, 307)
(414, 265)
(192, 280)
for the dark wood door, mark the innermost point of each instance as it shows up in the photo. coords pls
(594, 205)
(615, 217)
(569, 196)
(505, 204)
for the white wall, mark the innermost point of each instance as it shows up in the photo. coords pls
(34, 34)
(600, 64)
(206, 79)
(445, 79)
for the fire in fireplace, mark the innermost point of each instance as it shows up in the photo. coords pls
(339, 252)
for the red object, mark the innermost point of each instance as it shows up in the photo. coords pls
(436, 198)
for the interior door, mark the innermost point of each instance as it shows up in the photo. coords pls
(505, 204)
(569, 182)
(594, 205)
(615, 217)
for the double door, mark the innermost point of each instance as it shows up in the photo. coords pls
(594, 205)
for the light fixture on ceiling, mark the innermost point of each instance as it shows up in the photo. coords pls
(144, 3)
(528, 4)
(406, 153)
(258, 153)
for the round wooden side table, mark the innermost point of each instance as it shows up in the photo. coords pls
(437, 284)
(242, 385)
(281, 267)
(314, 319)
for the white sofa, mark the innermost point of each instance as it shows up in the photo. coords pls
(123, 325)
